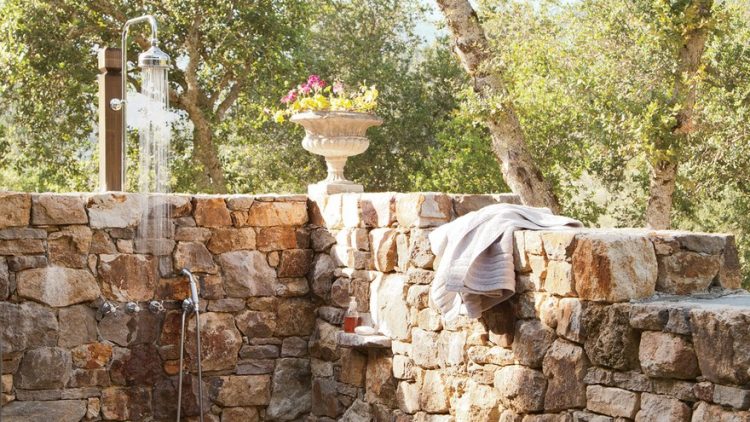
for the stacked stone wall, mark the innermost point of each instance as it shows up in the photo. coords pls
(61, 256)
(607, 325)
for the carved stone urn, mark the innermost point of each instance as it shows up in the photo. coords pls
(336, 135)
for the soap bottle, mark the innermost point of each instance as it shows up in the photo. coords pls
(351, 318)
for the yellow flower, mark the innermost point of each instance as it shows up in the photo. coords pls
(278, 117)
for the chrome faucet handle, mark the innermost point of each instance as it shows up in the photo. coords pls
(156, 306)
(132, 308)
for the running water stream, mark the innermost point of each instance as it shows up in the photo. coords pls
(154, 148)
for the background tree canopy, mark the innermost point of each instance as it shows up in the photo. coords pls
(592, 82)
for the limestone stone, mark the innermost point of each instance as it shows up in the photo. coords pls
(291, 394)
(295, 262)
(321, 239)
(296, 317)
(77, 326)
(494, 355)
(324, 401)
(378, 209)
(27, 325)
(264, 351)
(120, 404)
(402, 251)
(359, 411)
(657, 408)
(266, 214)
(379, 381)
(240, 414)
(500, 324)
(92, 355)
(193, 234)
(614, 267)
(737, 398)
(57, 286)
(323, 343)
(423, 209)
(211, 212)
(720, 338)
(709, 412)
(321, 275)
(388, 305)
(57, 209)
(175, 288)
(195, 257)
(229, 239)
(408, 396)
(276, 238)
(521, 389)
(125, 246)
(44, 368)
(429, 319)
(420, 253)
(114, 210)
(59, 410)
(565, 366)
(685, 272)
(478, 403)
(451, 348)
(220, 341)
(614, 402)
(15, 209)
(291, 287)
(666, 355)
(126, 329)
(93, 407)
(559, 245)
(89, 378)
(464, 204)
(531, 341)
(426, 355)
(247, 273)
(610, 340)
(559, 278)
(255, 366)
(383, 242)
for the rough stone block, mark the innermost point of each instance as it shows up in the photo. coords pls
(128, 277)
(665, 355)
(220, 341)
(423, 209)
(613, 402)
(27, 325)
(378, 209)
(241, 390)
(565, 366)
(15, 209)
(295, 262)
(610, 340)
(436, 392)
(478, 403)
(324, 398)
(559, 279)
(709, 412)
(614, 266)
(276, 238)
(420, 252)
(720, 337)
(521, 389)
(44, 368)
(63, 410)
(738, 398)
(229, 239)
(531, 342)
(388, 305)
(57, 286)
(57, 209)
(266, 214)
(291, 387)
(383, 243)
(211, 212)
(656, 408)
(686, 272)
(195, 257)
(112, 210)
(426, 354)
(246, 273)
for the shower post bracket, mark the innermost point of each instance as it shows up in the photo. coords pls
(110, 121)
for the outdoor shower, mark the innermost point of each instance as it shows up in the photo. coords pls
(190, 305)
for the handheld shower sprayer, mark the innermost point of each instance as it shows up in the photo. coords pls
(193, 288)
(190, 305)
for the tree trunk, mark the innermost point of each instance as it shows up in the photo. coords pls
(664, 171)
(508, 141)
(211, 176)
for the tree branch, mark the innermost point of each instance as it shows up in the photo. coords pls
(230, 99)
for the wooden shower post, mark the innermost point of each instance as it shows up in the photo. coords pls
(110, 121)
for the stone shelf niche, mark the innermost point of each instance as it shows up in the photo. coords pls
(606, 324)
(357, 341)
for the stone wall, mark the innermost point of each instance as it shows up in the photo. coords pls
(597, 331)
(61, 256)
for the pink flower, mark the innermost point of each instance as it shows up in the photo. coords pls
(338, 87)
(289, 97)
(315, 82)
(305, 89)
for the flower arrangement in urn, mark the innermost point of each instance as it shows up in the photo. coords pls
(335, 119)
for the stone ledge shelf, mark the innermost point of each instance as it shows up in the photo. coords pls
(356, 341)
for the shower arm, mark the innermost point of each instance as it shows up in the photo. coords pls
(121, 103)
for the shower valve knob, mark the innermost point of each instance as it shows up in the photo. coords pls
(116, 104)
(132, 307)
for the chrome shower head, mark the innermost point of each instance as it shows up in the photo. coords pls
(153, 57)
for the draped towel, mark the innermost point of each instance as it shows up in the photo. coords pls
(475, 254)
